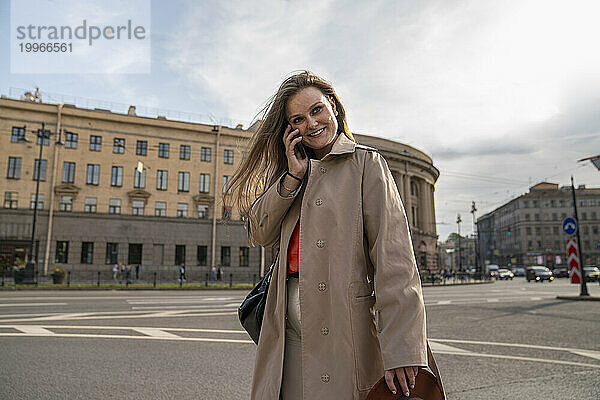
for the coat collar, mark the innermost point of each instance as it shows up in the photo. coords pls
(342, 145)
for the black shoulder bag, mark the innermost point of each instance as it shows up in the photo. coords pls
(252, 309)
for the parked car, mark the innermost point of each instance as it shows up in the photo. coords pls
(538, 273)
(560, 272)
(504, 273)
(519, 271)
(492, 270)
(592, 274)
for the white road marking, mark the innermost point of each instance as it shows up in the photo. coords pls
(155, 332)
(166, 314)
(443, 302)
(32, 304)
(32, 330)
(587, 353)
(493, 300)
(179, 307)
(183, 339)
(438, 347)
(180, 301)
(537, 360)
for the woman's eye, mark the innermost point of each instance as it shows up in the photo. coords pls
(316, 109)
(296, 120)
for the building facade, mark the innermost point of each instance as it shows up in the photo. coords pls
(138, 190)
(528, 230)
(458, 254)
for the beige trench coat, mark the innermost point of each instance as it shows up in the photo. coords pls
(361, 303)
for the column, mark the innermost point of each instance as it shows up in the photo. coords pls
(407, 203)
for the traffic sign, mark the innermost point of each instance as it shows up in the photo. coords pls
(573, 261)
(569, 226)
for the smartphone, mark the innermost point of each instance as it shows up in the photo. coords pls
(299, 148)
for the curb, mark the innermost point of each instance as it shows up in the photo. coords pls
(456, 284)
(579, 298)
(34, 288)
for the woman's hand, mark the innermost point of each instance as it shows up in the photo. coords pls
(406, 377)
(296, 165)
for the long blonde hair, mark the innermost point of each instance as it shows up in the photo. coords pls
(266, 159)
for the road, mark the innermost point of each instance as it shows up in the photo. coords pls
(503, 340)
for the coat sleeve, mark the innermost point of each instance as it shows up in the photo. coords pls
(400, 311)
(267, 212)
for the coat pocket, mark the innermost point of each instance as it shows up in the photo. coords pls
(367, 354)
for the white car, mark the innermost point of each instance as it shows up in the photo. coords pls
(504, 273)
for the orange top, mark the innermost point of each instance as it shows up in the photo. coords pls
(293, 255)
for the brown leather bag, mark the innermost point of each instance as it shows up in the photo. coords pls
(428, 386)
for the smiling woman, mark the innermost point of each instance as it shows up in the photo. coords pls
(344, 306)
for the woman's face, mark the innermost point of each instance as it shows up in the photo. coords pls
(313, 114)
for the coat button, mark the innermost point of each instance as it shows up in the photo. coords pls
(318, 202)
(320, 243)
(325, 378)
(325, 331)
(322, 170)
(322, 286)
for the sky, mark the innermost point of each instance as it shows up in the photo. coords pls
(501, 94)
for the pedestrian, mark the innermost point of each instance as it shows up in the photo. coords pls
(181, 270)
(137, 272)
(115, 270)
(219, 273)
(350, 310)
(121, 272)
(213, 273)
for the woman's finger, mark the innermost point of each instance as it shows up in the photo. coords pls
(402, 379)
(389, 380)
(410, 374)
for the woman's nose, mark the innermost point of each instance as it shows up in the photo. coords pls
(312, 123)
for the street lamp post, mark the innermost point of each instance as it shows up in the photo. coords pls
(28, 278)
(458, 221)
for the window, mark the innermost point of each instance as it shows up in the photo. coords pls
(595, 229)
(161, 179)
(138, 207)
(179, 254)
(112, 251)
(184, 152)
(555, 230)
(594, 216)
(182, 209)
(40, 202)
(62, 252)
(584, 216)
(160, 209)
(87, 252)
(68, 172)
(90, 204)
(183, 182)
(226, 213)
(225, 256)
(205, 154)
(554, 217)
(552, 203)
(11, 199)
(526, 217)
(538, 231)
(202, 255)
(95, 143)
(139, 179)
(228, 156)
(18, 134)
(40, 167)
(204, 183)
(93, 174)
(535, 203)
(225, 188)
(141, 148)
(586, 230)
(244, 251)
(562, 203)
(582, 203)
(118, 146)
(66, 203)
(45, 135)
(163, 150)
(526, 204)
(528, 230)
(202, 211)
(71, 140)
(592, 202)
(537, 217)
(135, 253)
(14, 168)
(116, 177)
(114, 206)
